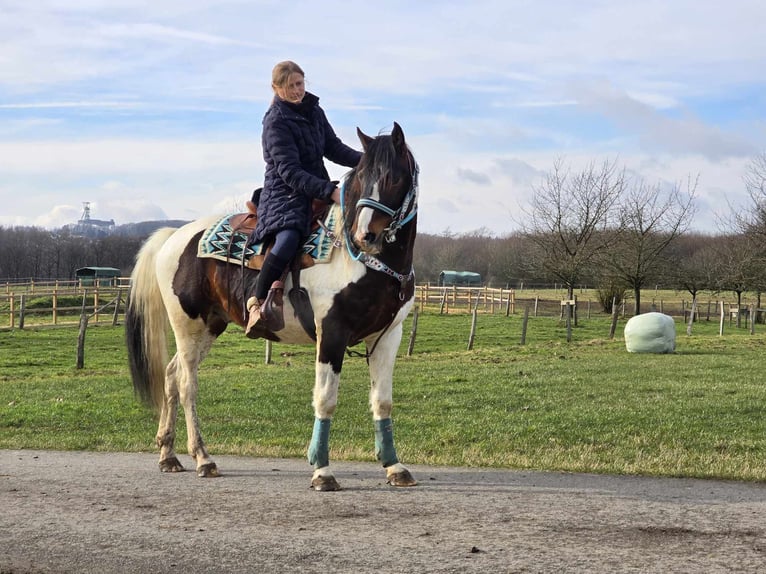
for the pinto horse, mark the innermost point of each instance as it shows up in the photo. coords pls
(362, 294)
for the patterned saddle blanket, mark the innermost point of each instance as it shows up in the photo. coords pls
(226, 241)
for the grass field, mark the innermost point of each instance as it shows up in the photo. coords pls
(585, 406)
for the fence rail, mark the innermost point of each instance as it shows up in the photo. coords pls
(51, 303)
(64, 306)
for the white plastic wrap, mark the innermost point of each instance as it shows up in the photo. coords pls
(650, 333)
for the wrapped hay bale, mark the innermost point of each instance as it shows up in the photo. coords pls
(650, 333)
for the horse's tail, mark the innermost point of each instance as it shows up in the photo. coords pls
(146, 324)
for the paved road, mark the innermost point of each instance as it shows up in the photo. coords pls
(109, 513)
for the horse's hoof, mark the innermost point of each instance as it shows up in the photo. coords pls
(401, 478)
(325, 483)
(171, 465)
(209, 470)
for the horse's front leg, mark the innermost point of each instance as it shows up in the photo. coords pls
(381, 403)
(329, 361)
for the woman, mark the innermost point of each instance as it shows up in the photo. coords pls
(296, 138)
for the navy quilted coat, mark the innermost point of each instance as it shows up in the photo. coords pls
(294, 147)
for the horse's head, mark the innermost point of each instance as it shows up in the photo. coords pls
(383, 190)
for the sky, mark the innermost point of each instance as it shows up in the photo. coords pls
(152, 109)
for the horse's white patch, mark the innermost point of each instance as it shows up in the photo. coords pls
(395, 468)
(364, 217)
(363, 221)
(325, 391)
(322, 472)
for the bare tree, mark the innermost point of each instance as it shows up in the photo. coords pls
(694, 265)
(755, 183)
(651, 218)
(568, 219)
(739, 266)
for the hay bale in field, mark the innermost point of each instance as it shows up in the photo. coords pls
(650, 333)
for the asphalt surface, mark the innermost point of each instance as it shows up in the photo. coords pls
(81, 512)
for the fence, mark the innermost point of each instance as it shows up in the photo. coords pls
(64, 306)
(44, 303)
(553, 303)
(19, 286)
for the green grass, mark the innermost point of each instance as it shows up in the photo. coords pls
(585, 406)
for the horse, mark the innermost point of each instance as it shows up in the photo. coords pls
(362, 294)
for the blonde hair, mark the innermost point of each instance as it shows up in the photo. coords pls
(281, 73)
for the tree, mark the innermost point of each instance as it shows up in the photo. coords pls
(651, 219)
(753, 222)
(568, 219)
(739, 266)
(694, 263)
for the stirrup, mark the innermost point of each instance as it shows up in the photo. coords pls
(272, 309)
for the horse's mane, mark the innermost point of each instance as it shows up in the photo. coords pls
(379, 158)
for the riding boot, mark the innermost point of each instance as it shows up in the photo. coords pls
(254, 319)
(266, 307)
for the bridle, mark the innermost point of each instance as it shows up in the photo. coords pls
(399, 218)
(406, 211)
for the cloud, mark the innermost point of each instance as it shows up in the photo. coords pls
(120, 101)
(473, 176)
(686, 134)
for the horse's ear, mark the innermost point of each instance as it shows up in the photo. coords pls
(397, 137)
(365, 139)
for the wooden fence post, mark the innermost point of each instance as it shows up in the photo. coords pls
(474, 316)
(752, 319)
(12, 311)
(513, 301)
(691, 317)
(413, 332)
(117, 302)
(22, 310)
(613, 328)
(81, 339)
(723, 315)
(524, 325)
(268, 352)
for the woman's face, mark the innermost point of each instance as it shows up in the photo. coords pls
(294, 90)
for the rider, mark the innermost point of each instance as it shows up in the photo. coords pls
(296, 137)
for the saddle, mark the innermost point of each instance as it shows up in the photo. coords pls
(235, 238)
(244, 223)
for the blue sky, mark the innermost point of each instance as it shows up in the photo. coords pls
(152, 109)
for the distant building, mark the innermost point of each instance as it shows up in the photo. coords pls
(87, 227)
(101, 276)
(463, 278)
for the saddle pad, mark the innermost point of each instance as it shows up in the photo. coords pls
(222, 242)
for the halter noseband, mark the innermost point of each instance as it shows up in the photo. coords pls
(399, 218)
(406, 211)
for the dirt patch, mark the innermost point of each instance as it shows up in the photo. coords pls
(115, 512)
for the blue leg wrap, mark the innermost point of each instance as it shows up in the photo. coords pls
(384, 442)
(319, 449)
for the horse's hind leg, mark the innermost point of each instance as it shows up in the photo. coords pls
(191, 350)
(381, 403)
(166, 432)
